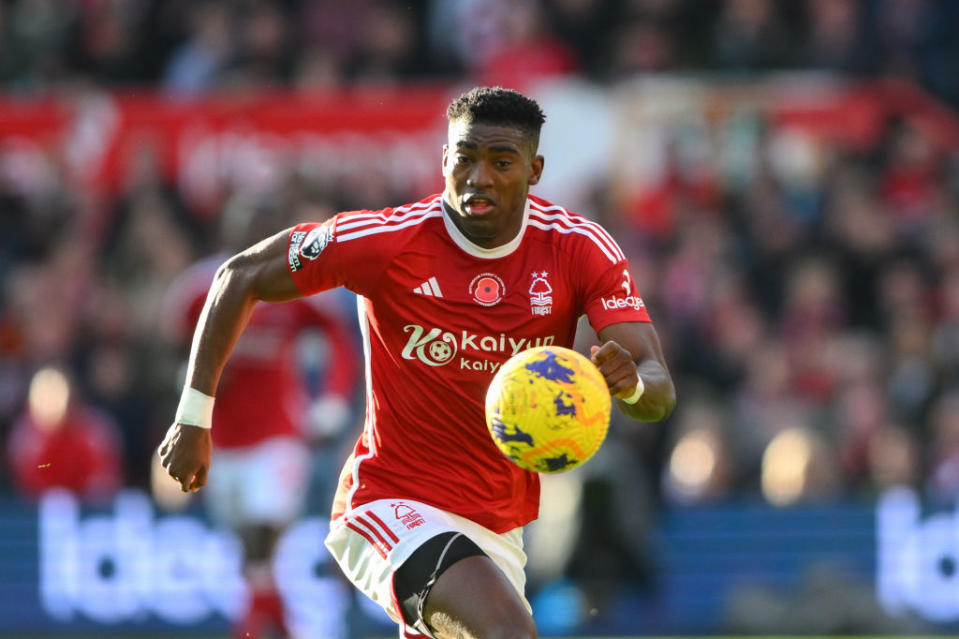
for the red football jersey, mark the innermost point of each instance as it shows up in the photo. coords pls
(82, 454)
(262, 392)
(439, 315)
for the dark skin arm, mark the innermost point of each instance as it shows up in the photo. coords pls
(259, 273)
(630, 349)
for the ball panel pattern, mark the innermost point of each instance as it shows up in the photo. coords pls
(547, 409)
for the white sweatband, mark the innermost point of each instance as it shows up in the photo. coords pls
(195, 409)
(640, 389)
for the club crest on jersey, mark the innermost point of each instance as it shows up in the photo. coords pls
(487, 289)
(540, 294)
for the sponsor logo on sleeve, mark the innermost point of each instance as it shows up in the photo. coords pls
(315, 241)
(296, 239)
(614, 303)
(307, 245)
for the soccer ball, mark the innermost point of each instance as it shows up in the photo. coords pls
(547, 409)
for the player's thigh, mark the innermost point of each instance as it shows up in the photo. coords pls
(223, 494)
(395, 551)
(277, 479)
(474, 598)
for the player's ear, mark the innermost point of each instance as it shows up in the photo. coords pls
(446, 153)
(536, 169)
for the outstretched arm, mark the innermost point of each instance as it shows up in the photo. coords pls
(257, 274)
(631, 359)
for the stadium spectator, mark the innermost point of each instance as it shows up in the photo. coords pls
(60, 441)
(639, 47)
(835, 39)
(576, 23)
(750, 36)
(201, 62)
(528, 51)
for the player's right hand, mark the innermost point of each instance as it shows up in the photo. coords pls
(617, 366)
(185, 454)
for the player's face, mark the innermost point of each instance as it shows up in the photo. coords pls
(489, 169)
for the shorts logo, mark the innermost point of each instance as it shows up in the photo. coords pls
(407, 516)
(540, 294)
(487, 289)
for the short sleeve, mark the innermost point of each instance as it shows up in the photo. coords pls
(610, 293)
(319, 261)
(312, 266)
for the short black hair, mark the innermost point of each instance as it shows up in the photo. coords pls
(496, 105)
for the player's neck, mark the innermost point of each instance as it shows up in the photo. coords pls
(504, 241)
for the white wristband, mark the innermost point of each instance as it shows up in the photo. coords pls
(640, 389)
(195, 409)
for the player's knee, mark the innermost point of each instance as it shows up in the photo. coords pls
(473, 598)
(520, 627)
(500, 626)
(508, 620)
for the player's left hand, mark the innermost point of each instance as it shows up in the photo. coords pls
(617, 366)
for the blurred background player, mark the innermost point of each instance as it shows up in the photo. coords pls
(61, 441)
(289, 385)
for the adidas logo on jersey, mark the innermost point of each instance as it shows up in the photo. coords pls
(430, 288)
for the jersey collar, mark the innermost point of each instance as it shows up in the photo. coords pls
(478, 251)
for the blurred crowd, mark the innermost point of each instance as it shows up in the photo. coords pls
(812, 323)
(814, 326)
(188, 46)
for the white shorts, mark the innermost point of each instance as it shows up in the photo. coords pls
(264, 484)
(372, 541)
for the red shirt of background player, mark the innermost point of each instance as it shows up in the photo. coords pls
(262, 392)
(81, 453)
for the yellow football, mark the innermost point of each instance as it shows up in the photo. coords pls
(547, 409)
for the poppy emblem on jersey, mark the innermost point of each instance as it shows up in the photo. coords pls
(487, 289)
(540, 294)
(315, 241)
